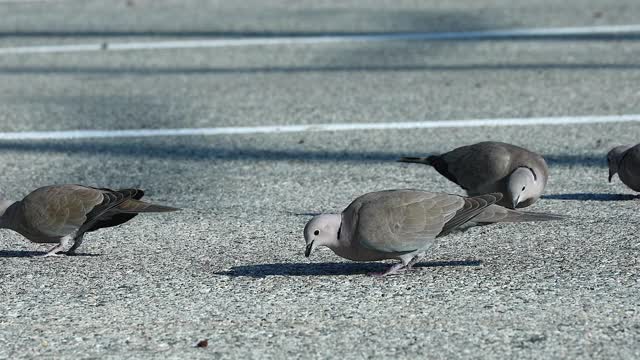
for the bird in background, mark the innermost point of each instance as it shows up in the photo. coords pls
(403, 224)
(62, 214)
(518, 174)
(624, 160)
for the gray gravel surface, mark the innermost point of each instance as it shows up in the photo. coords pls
(230, 268)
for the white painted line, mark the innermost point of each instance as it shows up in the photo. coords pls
(95, 134)
(587, 31)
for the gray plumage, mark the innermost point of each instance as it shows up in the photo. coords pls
(518, 174)
(62, 214)
(403, 224)
(624, 160)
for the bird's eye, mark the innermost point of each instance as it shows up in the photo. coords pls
(316, 232)
(523, 188)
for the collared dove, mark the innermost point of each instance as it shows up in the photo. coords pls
(62, 214)
(517, 173)
(625, 161)
(403, 224)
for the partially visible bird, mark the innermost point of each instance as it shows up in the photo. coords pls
(624, 160)
(62, 214)
(518, 174)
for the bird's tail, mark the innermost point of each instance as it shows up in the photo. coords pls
(138, 206)
(429, 160)
(496, 213)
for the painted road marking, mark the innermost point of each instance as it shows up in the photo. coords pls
(244, 130)
(529, 33)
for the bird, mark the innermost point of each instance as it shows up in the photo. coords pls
(62, 214)
(518, 174)
(624, 160)
(403, 224)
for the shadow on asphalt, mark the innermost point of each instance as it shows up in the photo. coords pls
(592, 197)
(409, 20)
(29, 253)
(303, 213)
(594, 160)
(20, 253)
(319, 269)
(183, 151)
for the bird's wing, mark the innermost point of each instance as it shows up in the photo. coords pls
(404, 220)
(479, 167)
(59, 210)
(496, 213)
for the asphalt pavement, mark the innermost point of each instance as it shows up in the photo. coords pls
(229, 267)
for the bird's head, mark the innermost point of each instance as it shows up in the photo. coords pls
(523, 184)
(322, 230)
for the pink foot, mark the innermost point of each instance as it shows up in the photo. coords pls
(394, 269)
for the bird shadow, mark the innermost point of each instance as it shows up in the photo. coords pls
(328, 269)
(306, 213)
(592, 197)
(29, 253)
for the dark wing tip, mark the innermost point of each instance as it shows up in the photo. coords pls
(161, 208)
(411, 159)
(548, 216)
(132, 193)
(540, 216)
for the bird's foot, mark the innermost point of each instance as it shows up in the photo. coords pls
(66, 243)
(414, 261)
(394, 269)
(55, 251)
(50, 254)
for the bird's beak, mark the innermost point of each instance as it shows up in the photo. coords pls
(307, 251)
(516, 201)
(611, 173)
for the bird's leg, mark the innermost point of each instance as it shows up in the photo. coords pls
(77, 242)
(396, 268)
(65, 242)
(414, 260)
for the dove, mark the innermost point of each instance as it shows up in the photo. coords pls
(62, 214)
(518, 174)
(403, 224)
(624, 160)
